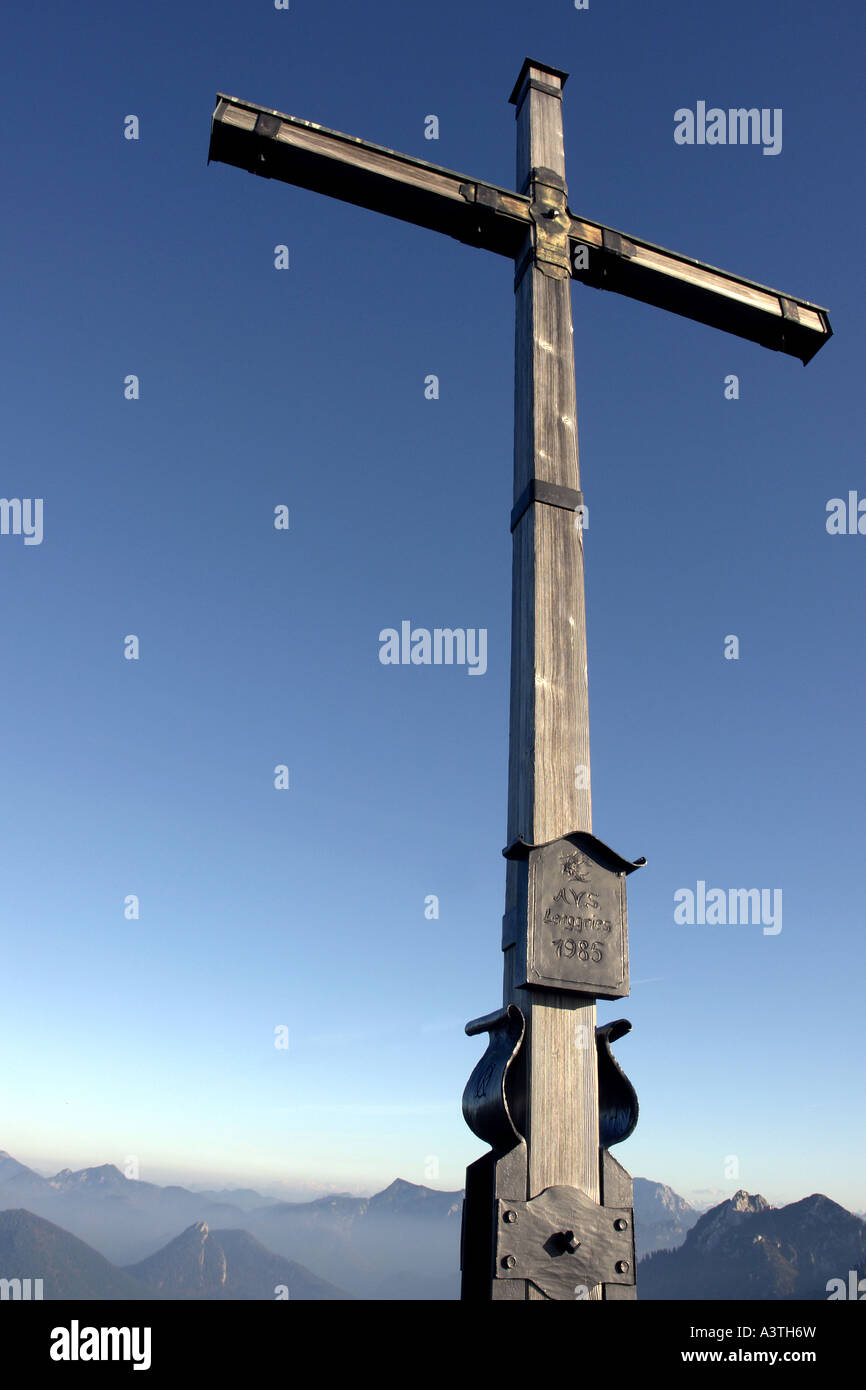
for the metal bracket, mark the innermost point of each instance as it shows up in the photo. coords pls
(619, 245)
(487, 1099)
(562, 1239)
(617, 1099)
(525, 84)
(267, 125)
(548, 250)
(549, 178)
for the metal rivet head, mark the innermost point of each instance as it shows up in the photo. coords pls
(622, 1266)
(510, 1261)
(510, 1217)
(621, 1224)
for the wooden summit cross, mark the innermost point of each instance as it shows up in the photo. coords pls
(548, 1211)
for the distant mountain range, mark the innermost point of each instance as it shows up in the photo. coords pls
(199, 1264)
(744, 1248)
(122, 1217)
(367, 1246)
(402, 1243)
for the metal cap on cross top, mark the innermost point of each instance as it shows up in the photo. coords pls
(553, 88)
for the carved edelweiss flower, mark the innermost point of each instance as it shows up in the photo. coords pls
(575, 866)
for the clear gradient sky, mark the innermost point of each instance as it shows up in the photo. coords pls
(305, 908)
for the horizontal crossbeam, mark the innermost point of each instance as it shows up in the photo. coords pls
(310, 156)
(370, 176)
(609, 260)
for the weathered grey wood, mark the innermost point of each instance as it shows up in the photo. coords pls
(549, 704)
(356, 171)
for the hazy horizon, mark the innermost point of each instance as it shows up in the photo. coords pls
(286, 1191)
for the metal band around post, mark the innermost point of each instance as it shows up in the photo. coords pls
(525, 83)
(552, 494)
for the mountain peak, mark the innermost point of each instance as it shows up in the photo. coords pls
(190, 1263)
(743, 1201)
(104, 1176)
(403, 1198)
(716, 1224)
(200, 1263)
(10, 1165)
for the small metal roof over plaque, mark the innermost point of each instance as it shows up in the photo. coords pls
(572, 924)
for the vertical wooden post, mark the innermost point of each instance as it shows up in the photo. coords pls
(548, 782)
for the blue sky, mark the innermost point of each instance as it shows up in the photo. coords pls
(305, 908)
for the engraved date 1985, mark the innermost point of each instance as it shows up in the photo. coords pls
(584, 950)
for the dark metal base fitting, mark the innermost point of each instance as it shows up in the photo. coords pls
(564, 1242)
(560, 1241)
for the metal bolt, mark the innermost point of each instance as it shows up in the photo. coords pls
(511, 1217)
(510, 1261)
(621, 1224)
(570, 1241)
(622, 1266)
